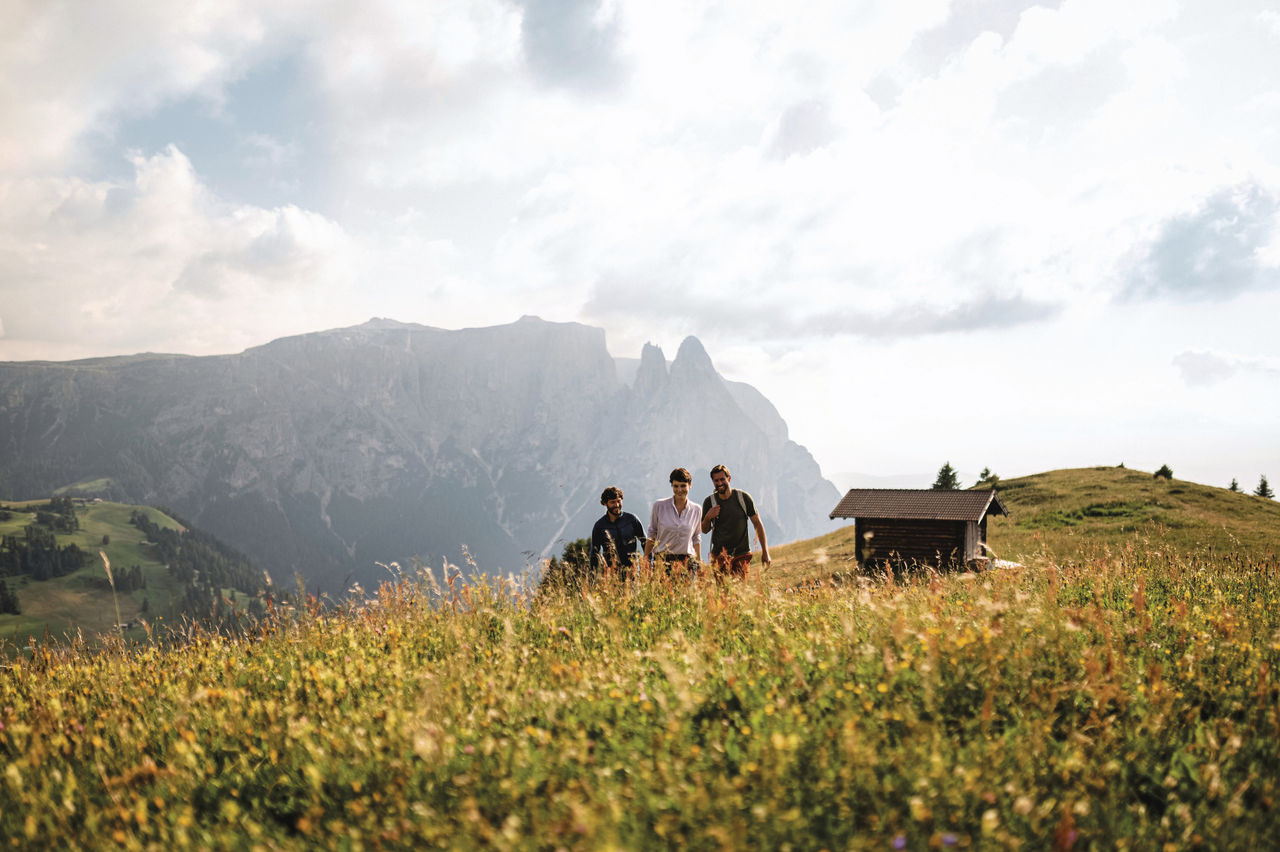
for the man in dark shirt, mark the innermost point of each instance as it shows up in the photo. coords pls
(617, 538)
(725, 515)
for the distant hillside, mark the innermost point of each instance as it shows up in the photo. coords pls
(161, 575)
(326, 454)
(1070, 514)
(1061, 511)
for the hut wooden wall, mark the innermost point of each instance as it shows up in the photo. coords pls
(922, 541)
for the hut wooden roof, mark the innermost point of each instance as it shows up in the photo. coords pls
(924, 503)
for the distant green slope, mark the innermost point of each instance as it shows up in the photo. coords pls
(82, 601)
(1068, 514)
(1062, 512)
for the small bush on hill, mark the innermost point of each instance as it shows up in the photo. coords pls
(571, 570)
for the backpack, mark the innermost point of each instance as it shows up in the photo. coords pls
(742, 503)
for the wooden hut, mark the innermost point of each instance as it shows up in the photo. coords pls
(919, 526)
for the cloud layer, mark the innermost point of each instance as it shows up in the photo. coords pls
(914, 182)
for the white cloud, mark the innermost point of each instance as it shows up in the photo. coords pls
(1217, 251)
(1207, 368)
(68, 69)
(161, 263)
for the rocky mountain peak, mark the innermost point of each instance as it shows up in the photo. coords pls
(334, 452)
(651, 377)
(692, 360)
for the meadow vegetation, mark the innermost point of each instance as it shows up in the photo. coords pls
(1062, 513)
(161, 574)
(1124, 697)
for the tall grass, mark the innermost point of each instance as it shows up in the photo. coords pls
(115, 599)
(1128, 700)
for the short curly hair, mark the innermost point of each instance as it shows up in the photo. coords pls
(610, 493)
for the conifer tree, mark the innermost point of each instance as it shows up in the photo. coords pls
(947, 479)
(1263, 489)
(1235, 486)
(9, 600)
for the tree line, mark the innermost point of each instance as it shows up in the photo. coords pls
(205, 567)
(36, 552)
(9, 604)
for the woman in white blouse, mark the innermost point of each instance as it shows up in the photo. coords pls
(675, 524)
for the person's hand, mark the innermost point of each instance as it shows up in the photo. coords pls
(711, 513)
(764, 557)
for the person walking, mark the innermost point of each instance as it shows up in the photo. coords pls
(617, 539)
(675, 525)
(725, 515)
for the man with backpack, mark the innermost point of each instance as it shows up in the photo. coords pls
(725, 515)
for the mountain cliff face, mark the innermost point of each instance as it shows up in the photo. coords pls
(327, 454)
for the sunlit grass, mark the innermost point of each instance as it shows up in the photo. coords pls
(1127, 700)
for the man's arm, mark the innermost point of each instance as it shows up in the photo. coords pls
(697, 538)
(653, 531)
(596, 546)
(764, 543)
(637, 536)
(709, 513)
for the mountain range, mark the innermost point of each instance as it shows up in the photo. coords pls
(329, 455)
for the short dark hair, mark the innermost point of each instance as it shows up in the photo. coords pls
(610, 493)
(720, 469)
(681, 474)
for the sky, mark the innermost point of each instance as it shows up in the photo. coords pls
(1000, 234)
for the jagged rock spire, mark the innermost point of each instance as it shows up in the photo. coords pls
(651, 378)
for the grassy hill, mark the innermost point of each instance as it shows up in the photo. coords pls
(82, 601)
(1124, 700)
(1079, 513)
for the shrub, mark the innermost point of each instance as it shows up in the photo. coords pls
(571, 569)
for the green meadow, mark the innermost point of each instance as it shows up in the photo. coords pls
(82, 602)
(1106, 690)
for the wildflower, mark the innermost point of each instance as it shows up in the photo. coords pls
(899, 841)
